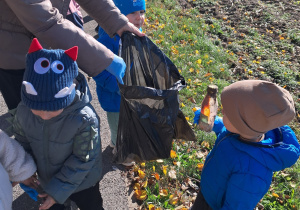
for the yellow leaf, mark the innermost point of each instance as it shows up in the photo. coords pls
(143, 165)
(165, 170)
(173, 200)
(151, 207)
(173, 154)
(153, 168)
(144, 184)
(200, 166)
(135, 168)
(141, 174)
(141, 194)
(275, 195)
(205, 144)
(136, 186)
(163, 192)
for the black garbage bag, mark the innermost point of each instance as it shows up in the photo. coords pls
(149, 114)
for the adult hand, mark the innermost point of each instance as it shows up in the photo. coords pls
(117, 68)
(48, 202)
(131, 28)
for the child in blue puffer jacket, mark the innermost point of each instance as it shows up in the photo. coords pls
(253, 140)
(107, 86)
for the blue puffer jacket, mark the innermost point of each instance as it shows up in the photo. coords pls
(236, 175)
(107, 86)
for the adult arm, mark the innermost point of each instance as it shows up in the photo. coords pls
(45, 21)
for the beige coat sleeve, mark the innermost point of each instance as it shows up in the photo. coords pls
(45, 21)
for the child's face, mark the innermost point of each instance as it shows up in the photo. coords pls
(46, 115)
(137, 18)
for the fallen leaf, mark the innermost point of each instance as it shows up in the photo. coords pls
(151, 207)
(173, 200)
(156, 175)
(141, 174)
(200, 166)
(205, 144)
(136, 186)
(165, 169)
(144, 184)
(208, 74)
(172, 174)
(173, 154)
(141, 194)
(163, 192)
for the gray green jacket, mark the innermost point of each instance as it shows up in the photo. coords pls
(21, 20)
(66, 148)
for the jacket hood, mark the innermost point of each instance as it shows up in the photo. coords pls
(280, 149)
(82, 96)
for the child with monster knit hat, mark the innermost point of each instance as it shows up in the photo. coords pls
(253, 141)
(56, 123)
(107, 86)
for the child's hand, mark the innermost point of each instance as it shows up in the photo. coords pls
(32, 182)
(197, 116)
(48, 202)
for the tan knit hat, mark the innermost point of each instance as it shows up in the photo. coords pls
(255, 106)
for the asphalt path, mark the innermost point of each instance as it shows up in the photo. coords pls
(113, 185)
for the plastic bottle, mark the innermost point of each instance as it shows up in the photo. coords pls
(209, 108)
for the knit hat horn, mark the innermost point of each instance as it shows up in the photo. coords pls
(48, 78)
(128, 6)
(254, 106)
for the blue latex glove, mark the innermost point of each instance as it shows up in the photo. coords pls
(30, 191)
(117, 68)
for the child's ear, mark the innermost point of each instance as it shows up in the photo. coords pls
(72, 53)
(35, 46)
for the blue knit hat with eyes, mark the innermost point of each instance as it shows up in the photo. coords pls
(128, 6)
(48, 78)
